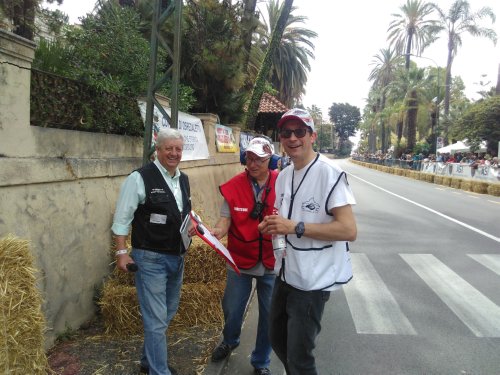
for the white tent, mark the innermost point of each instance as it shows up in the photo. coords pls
(460, 146)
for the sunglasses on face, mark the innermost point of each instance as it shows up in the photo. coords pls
(299, 133)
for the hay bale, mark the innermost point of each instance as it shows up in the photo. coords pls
(21, 320)
(120, 309)
(494, 189)
(466, 185)
(438, 179)
(429, 177)
(446, 181)
(455, 183)
(480, 187)
(200, 305)
(201, 294)
(203, 264)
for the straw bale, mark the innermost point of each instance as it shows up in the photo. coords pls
(466, 185)
(21, 320)
(120, 309)
(480, 187)
(455, 183)
(494, 189)
(200, 305)
(122, 278)
(438, 179)
(203, 264)
(446, 181)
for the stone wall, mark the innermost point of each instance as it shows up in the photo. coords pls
(58, 189)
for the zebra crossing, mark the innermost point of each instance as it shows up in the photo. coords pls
(374, 309)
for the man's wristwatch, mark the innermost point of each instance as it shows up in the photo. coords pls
(300, 229)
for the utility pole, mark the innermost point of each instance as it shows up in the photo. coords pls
(173, 9)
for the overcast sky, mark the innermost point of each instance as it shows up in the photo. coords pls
(352, 32)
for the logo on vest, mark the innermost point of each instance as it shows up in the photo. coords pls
(310, 206)
(241, 209)
(157, 191)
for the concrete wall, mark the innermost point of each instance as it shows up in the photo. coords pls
(58, 189)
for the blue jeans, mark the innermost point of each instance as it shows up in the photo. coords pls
(158, 282)
(236, 295)
(295, 322)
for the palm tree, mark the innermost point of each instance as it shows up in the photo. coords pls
(271, 50)
(382, 75)
(290, 63)
(415, 83)
(457, 21)
(411, 31)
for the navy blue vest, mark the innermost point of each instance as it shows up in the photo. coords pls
(163, 237)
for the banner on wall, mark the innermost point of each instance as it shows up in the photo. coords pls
(245, 139)
(224, 139)
(191, 128)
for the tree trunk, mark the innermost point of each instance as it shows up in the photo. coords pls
(249, 23)
(412, 120)
(258, 88)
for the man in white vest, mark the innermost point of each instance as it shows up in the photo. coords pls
(313, 200)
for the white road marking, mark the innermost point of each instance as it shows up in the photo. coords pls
(491, 261)
(474, 309)
(373, 308)
(494, 238)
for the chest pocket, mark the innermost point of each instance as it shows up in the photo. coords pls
(159, 198)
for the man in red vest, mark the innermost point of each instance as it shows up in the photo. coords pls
(248, 197)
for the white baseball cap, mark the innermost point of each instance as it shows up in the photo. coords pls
(260, 146)
(297, 114)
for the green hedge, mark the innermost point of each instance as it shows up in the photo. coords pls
(58, 102)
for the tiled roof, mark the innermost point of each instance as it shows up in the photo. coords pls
(269, 104)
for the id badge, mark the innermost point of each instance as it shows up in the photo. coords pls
(158, 219)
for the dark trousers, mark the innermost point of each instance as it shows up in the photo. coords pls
(295, 322)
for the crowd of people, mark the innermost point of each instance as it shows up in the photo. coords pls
(287, 230)
(415, 160)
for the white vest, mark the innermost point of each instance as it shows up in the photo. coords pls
(312, 264)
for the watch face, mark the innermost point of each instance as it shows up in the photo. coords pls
(299, 229)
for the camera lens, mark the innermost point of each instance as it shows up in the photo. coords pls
(257, 210)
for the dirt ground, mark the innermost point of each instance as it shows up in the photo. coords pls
(90, 352)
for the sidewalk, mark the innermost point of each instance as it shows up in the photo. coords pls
(238, 363)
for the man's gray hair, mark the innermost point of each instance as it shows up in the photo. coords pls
(166, 134)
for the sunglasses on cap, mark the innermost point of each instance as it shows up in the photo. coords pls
(299, 133)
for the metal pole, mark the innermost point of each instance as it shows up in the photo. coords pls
(148, 126)
(174, 112)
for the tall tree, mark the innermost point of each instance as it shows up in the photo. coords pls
(345, 118)
(249, 22)
(459, 20)
(290, 64)
(386, 63)
(260, 82)
(213, 58)
(480, 123)
(411, 30)
(415, 83)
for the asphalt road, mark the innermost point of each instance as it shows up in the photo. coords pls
(425, 298)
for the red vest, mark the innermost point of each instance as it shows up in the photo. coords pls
(245, 243)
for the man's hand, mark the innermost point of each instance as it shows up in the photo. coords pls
(122, 261)
(275, 224)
